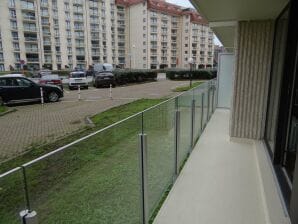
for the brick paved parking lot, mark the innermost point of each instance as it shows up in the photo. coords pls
(36, 124)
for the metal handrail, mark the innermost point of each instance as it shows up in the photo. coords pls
(200, 90)
(96, 132)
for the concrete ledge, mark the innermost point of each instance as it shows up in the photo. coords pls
(275, 210)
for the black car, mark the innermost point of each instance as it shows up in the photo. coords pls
(103, 79)
(18, 89)
(103, 75)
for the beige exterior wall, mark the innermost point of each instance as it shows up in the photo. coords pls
(254, 42)
(168, 39)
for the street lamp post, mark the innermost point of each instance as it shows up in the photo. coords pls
(133, 54)
(190, 62)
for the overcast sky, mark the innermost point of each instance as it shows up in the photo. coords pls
(186, 3)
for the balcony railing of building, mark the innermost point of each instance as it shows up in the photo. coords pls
(29, 18)
(31, 50)
(44, 4)
(33, 59)
(27, 7)
(30, 29)
(77, 2)
(150, 147)
(47, 42)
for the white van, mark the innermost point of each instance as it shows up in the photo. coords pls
(76, 79)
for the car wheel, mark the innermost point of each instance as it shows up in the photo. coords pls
(87, 87)
(53, 96)
(97, 85)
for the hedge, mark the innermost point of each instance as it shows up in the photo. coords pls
(196, 74)
(132, 76)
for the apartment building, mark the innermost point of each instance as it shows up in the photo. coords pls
(58, 34)
(164, 35)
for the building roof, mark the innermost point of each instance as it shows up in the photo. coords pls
(195, 17)
(168, 8)
(165, 7)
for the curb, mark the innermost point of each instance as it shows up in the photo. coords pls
(7, 112)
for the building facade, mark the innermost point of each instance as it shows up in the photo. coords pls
(77, 33)
(163, 35)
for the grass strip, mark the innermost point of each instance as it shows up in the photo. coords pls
(186, 88)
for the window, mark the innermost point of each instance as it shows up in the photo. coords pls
(11, 3)
(275, 80)
(13, 24)
(14, 35)
(12, 13)
(22, 82)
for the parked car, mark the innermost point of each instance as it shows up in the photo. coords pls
(76, 79)
(42, 73)
(103, 75)
(51, 79)
(15, 88)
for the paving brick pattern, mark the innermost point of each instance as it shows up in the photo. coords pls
(36, 124)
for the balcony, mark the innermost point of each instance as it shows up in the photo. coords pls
(25, 7)
(44, 4)
(77, 2)
(80, 37)
(47, 43)
(46, 33)
(33, 60)
(95, 46)
(29, 18)
(30, 29)
(47, 52)
(95, 53)
(46, 24)
(81, 62)
(158, 123)
(43, 14)
(31, 39)
(48, 60)
(31, 50)
(232, 177)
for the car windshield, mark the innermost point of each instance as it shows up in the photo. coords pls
(50, 77)
(108, 67)
(77, 75)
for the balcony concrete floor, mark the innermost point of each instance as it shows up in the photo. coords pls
(220, 183)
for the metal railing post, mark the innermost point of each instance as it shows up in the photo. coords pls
(177, 141)
(202, 113)
(208, 103)
(28, 216)
(144, 177)
(213, 93)
(193, 104)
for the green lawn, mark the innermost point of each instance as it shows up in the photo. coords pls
(2, 109)
(97, 180)
(187, 87)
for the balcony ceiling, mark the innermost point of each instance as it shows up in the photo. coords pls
(236, 10)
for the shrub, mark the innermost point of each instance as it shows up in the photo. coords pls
(132, 76)
(196, 74)
(61, 72)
